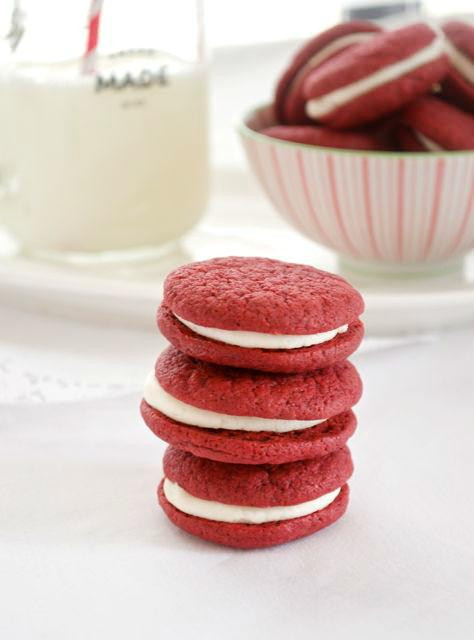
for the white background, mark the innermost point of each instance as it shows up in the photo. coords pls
(85, 552)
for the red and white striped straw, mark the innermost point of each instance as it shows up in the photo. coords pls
(90, 55)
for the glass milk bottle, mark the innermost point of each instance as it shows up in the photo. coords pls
(103, 126)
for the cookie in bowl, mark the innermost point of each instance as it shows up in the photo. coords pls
(458, 86)
(325, 137)
(376, 78)
(289, 98)
(430, 124)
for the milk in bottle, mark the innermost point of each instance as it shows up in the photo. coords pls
(108, 161)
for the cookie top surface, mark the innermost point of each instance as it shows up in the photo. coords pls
(262, 295)
(258, 485)
(444, 124)
(242, 392)
(384, 49)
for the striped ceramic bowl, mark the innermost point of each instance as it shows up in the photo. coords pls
(385, 210)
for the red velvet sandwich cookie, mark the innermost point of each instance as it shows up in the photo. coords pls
(375, 78)
(458, 85)
(248, 506)
(289, 99)
(245, 416)
(434, 125)
(261, 314)
(252, 447)
(324, 137)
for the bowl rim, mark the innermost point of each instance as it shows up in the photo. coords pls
(246, 131)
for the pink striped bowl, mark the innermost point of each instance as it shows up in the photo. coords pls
(381, 210)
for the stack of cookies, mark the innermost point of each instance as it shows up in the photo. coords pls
(254, 397)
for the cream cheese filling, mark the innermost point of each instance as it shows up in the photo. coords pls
(159, 399)
(256, 340)
(220, 512)
(322, 105)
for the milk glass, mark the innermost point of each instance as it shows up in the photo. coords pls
(113, 158)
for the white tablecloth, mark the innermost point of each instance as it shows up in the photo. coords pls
(86, 553)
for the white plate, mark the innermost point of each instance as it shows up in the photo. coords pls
(127, 295)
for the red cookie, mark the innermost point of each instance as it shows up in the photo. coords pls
(458, 86)
(434, 125)
(312, 395)
(254, 536)
(272, 360)
(258, 486)
(326, 393)
(289, 100)
(252, 447)
(261, 487)
(375, 78)
(324, 137)
(267, 302)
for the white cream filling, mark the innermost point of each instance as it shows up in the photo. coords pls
(325, 104)
(429, 144)
(212, 510)
(332, 47)
(159, 399)
(460, 61)
(256, 340)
